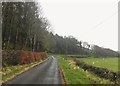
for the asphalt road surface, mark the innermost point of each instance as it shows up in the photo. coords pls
(45, 73)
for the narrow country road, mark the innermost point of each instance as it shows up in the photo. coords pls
(45, 73)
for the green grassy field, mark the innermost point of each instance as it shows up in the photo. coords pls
(76, 75)
(109, 63)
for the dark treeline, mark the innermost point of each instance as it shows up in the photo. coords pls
(25, 28)
(67, 45)
(104, 52)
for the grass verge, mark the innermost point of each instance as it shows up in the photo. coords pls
(75, 75)
(72, 74)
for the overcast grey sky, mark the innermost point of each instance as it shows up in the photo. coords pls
(93, 21)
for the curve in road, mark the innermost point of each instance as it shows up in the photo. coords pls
(45, 73)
